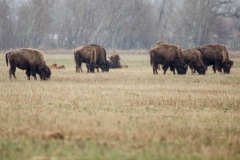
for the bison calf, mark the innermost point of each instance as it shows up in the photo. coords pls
(30, 60)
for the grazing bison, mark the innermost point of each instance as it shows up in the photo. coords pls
(216, 55)
(93, 55)
(169, 56)
(85, 54)
(115, 61)
(101, 58)
(193, 58)
(30, 60)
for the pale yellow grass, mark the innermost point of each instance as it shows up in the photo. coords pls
(127, 109)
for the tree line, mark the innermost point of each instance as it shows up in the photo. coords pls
(118, 24)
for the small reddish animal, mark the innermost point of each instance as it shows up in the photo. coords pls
(124, 66)
(54, 66)
(60, 67)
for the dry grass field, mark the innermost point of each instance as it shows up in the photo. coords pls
(124, 114)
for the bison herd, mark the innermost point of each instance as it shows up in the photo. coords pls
(95, 57)
(198, 59)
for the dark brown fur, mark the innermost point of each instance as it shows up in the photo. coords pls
(169, 56)
(217, 56)
(30, 60)
(193, 58)
(85, 54)
(101, 58)
(93, 55)
(114, 61)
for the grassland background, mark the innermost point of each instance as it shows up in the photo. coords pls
(124, 114)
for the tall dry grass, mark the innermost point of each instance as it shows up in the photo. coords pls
(124, 114)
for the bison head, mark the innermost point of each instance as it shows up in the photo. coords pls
(44, 73)
(201, 69)
(227, 65)
(181, 67)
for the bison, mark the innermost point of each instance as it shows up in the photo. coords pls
(115, 61)
(217, 56)
(168, 55)
(101, 58)
(93, 55)
(193, 58)
(30, 60)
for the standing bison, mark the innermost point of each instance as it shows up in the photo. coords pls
(93, 55)
(115, 61)
(193, 59)
(169, 56)
(30, 60)
(216, 55)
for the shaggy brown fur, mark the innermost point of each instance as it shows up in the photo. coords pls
(193, 58)
(30, 60)
(101, 58)
(169, 56)
(93, 55)
(85, 54)
(114, 61)
(217, 56)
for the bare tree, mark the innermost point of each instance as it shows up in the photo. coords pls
(6, 25)
(33, 22)
(202, 22)
(118, 23)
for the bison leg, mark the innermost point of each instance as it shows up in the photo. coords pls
(88, 69)
(28, 73)
(165, 66)
(155, 67)
(98, 69)
(33, 72)
(172, 68)
(217, 66)
(12, 71)
(214, 69)
(192, 69)
(91, 67)
(79, 67)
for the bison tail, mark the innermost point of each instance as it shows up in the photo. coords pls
(93, 59)
(7, 57)
(151, 58)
